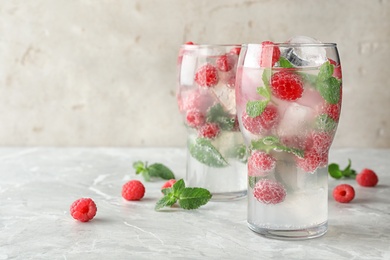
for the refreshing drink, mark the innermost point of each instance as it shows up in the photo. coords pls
(216, 153)
(288, 105)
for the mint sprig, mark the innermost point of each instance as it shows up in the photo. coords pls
(216, 114)
(269, 143)
(327, 85)
(335, 171)
(187, 197)
(256, 107)
(157, 170)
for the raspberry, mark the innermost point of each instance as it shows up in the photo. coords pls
(333, 111)
(168, 184)
(207, 76)
(269, 191)
(286, 85)
(196, 100)
(343, 193)
(321, 142)
(337, 69)
(235, 51)
(268, 119)
(133, 190)
(260, 163)
(225, 62)
(195, 118)
(270, 54)
(209, 130)
(367, 178)
(83, 209)
(312, 161)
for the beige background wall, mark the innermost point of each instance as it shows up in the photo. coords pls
(102, 73)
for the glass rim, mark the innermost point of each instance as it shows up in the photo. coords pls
(211, 45)
(286, 44)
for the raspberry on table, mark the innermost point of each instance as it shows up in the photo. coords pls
(195, 118)
(207, 76)
(367, 178)
(209, 130)
(269, 191)
(287, 85)
(133, 190)
(343, 193)
(225, 62)
(83, 209)
(268, 119)
(270, 54)
(168, 184)
(260, 163)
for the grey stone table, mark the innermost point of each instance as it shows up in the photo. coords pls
(37, 186)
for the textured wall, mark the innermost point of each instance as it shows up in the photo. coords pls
(102, 73)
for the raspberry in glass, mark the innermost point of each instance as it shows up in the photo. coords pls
(287, 85)
(269, 191)
(260, 163)
(207, 76)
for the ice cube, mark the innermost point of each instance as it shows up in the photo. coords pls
(252, 56)
(187, 69)
(225, 96)
(295, 120)
(299, 56)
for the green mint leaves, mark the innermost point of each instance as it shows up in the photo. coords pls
(256, 107)
(327, 85)
(187, 197)
(269, 143)
(156, 170)
(202, 150)
(285, 63)
(218, 115)
(335, 172)
(325, 123)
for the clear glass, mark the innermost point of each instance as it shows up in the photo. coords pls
(216, 153)
(288, 100)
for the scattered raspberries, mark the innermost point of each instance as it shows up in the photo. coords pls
(367, 178)
(260, 163)
(344, 193)
(263, 122)
(269, 191)
(83, 209)
(133, 190)
(207, 76)
(270, 54)
(286, 85)
(168, 184)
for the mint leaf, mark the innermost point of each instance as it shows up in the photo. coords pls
(188, 198)
(265, 92)
(285, 63)
(266, 76)
(326, 71)
(218, 115)
(160, 170)
(142, 168)
(269, 143)
(329, 90)
(193, 198)
(325, 122)
(255, 108)
(335, 172)
(240, 152)
(252, 181)
(202, 150)
(309, 78)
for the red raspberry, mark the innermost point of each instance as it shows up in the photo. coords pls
(270, 54)
(260, 163)
(337, 69)
(333, 111)
(195, 118)
(168, 184)
(83, 209)
(236, 50)
(133, 190)
(209, 130)
(225, 62)
(367, 178)
(312, 160)
(269, 191)
(286, 85)
(268, 119)
(189, 43)
(321, 142)
(343, 193)
(207, 76)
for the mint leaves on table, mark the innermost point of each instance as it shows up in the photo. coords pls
(256, 107)
(335, 171)
(187, 197)
(157, 170)
(203, 150)
(269, 143)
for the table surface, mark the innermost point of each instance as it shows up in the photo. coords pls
(38, 185)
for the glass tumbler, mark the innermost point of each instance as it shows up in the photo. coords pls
(216, 153)
(288, 99)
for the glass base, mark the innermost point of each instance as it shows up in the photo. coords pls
(228, 196)
(293, 234)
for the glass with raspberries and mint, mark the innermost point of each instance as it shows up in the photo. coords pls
(216, 153)
(288, 99)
